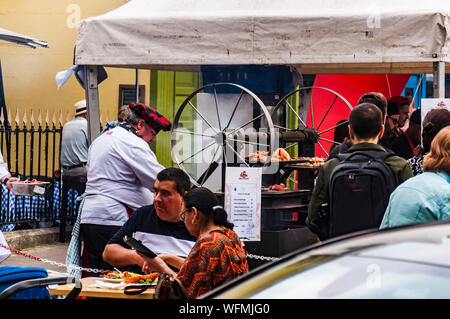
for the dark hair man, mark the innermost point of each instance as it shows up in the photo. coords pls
(376, 99)
(405, 145)
(391, 130)
(402, 104)
(158, 226)
(365, 129)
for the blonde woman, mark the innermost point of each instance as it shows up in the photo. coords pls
(425, 197)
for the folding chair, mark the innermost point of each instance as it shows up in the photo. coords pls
(31, 283)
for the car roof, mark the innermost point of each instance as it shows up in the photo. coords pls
(419, 243)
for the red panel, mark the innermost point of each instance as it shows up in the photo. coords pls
(351, 87)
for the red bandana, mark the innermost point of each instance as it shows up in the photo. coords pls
(151, 116)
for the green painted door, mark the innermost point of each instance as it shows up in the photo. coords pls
(168, 90)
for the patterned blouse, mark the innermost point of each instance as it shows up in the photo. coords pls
(416, 163)
(214, 259)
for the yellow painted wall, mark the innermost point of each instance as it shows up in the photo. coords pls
(29, 74)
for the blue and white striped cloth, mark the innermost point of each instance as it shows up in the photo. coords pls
(33, 207)
(73, 256)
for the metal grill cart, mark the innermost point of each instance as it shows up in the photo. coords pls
(221, 123)
(321, 37)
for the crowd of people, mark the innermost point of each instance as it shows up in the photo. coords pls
(418, 156)
(129, 193)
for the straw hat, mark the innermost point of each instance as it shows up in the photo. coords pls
(80, 107)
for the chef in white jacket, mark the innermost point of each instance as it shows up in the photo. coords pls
(5, 176)
(6, 179)
(121, 172)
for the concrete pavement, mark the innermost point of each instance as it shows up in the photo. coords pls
(55, 252)
(42, 243)
(28, 238)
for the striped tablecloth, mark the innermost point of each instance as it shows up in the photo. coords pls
(33, 207)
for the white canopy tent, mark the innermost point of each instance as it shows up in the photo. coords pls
(321, 36)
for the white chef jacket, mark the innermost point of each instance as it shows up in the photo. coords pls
(121, 170)
(3, 170)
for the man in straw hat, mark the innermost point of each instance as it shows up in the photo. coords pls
(122, 170)
(74, 153)
(74, 144)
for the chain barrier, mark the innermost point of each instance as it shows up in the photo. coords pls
(263, 257)
(93, 270)
(52, 262)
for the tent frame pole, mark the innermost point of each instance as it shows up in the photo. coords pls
(93, 112)
(137, 86)
(439, 79)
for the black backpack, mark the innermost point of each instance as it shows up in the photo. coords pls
(360, 186)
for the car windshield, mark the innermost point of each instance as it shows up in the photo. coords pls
(353, 276)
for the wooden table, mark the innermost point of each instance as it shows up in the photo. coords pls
(88, 290)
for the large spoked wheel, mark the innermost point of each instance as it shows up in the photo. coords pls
(218, 125)
(289, 115)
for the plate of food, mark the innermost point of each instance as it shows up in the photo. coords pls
(311, 162)
(275, 187)
(279, 155)
(118, 276)
(150, 279)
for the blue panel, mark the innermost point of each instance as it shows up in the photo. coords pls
(257, 78)
(412, 84)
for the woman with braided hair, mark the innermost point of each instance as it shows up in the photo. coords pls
(217, 256)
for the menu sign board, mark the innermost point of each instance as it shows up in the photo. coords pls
(243, 201)
(427, 104)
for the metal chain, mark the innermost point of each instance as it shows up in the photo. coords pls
(75, 267)
(93, 270)
(262, 257)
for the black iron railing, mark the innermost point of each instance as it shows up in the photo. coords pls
(30, 151)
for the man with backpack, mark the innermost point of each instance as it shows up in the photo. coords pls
(352, 191)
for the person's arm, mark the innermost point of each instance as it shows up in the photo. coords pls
(5, 175)
(172, 260)
(116, 252)
(156, 264)
(319, 196)
(8, 180)
(119, 256)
